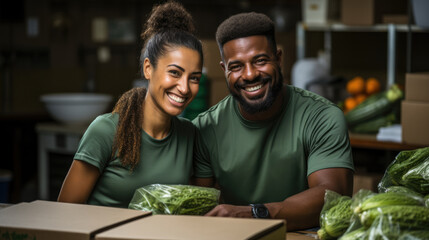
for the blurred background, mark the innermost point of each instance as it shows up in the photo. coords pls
(93, 47)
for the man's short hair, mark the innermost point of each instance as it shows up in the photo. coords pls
(245, 25)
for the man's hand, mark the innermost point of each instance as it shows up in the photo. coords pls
(226, 210)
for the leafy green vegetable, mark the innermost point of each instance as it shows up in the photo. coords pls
(426, 199)
(414, 235)
(335, 215)
(403, 189)
(409, 169)
(175, 199)
(357, 234)
(406, 217)
(386, 199)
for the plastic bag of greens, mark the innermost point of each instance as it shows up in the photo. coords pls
(409, 169)
(403, 189)
(426, 199)
(175, 199)
(383, 227)
(396, 217)
(414, 235)
(335, 216)
(386, 199)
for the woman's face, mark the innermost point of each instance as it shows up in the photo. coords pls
(174, 83)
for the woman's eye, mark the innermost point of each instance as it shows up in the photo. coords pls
(195, 79)
(174, 73)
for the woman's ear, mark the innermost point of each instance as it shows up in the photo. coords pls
(147, 68)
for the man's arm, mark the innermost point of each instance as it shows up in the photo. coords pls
(301, 210)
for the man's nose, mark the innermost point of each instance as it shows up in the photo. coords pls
(250, 72)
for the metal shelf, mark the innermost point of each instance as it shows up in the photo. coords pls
(390, 29)
(339, 27)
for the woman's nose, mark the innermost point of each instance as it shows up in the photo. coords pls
(183, 85)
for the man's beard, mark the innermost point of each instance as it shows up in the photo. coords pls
(259, 106)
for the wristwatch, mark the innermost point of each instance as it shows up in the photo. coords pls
(260, 211)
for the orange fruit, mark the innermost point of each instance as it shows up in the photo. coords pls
(360, 98)
(372, 86)
(356, 86)
(350, 103)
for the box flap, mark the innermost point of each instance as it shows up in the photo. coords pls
(79, 219)
(197, 227)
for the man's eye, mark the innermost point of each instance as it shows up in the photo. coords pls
(234, 67)
(261, 61)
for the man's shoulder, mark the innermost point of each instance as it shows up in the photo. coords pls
(214, 113)
(307, 96)
(312, 102)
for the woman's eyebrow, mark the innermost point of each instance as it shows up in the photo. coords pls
(174, 65)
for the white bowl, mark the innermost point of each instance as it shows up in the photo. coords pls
(76, 108)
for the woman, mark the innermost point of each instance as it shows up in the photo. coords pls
(143, 141)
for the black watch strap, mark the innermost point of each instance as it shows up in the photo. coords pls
(260, 211)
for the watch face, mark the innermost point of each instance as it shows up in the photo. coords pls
(260, 211)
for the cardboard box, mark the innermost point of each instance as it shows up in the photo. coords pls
(197, 227)
(417, 87)
(218, 90)
(367, 181)
(357, 12)
(212, 59)
(65, 221)
(415, 122)
(320, 11)
(395, 18)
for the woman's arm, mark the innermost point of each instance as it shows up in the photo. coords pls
(79, 182)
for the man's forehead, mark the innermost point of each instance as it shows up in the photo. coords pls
(246, 46)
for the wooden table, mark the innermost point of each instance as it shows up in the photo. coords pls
(301, 235)
(370, 141)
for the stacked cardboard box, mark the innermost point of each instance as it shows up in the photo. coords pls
(45, 220)
(415, 109)
(357, 12)
(215, 75)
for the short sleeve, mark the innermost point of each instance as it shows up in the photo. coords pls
(95, 147)
(328, 141)
(202, 164)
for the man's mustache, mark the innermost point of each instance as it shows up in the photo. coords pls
(246, 83)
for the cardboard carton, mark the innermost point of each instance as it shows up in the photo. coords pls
(355, 12)
(212, 59)
(218, 90)
(53, 220)
(320, 11)
(415, 122)
(176, 227)
(417, 87)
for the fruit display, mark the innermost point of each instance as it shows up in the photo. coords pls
(359, 90)
(367, 108)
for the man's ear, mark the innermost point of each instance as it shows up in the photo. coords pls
(279, 56)
(222, 65)
(147, 68)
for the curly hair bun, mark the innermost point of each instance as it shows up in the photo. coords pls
(170, 15)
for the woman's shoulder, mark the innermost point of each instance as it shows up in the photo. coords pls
(104, 123)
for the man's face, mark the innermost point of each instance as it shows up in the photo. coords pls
(253, 72)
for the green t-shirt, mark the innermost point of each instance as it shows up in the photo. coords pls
(165, 161)
(260, 162)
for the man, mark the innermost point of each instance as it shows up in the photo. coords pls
(270, 145)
